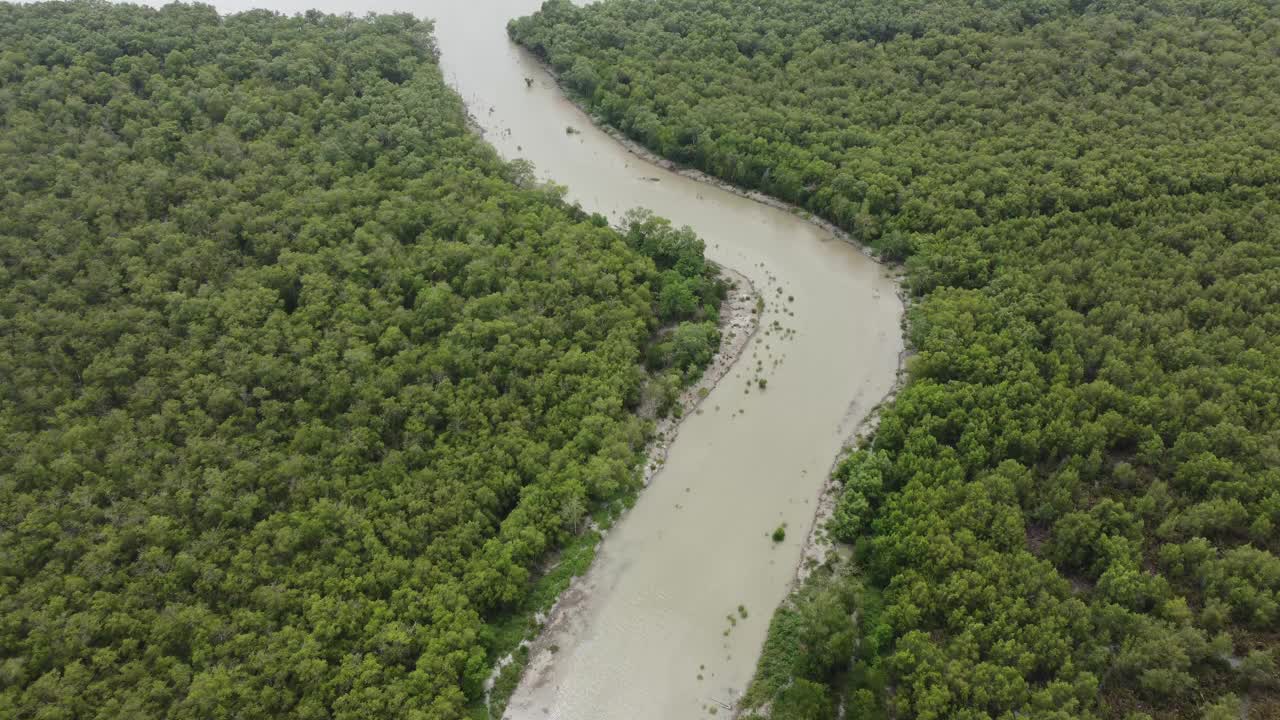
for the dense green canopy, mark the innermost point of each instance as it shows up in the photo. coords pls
(1071, 510)
(299, 379)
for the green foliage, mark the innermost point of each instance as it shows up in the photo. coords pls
(803, 700)
(1227, 707)
(862, 475)
(812, 637)
(1071, 507)
(1258, 669)
(301, 381)
(689, 293)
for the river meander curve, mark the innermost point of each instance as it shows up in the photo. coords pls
(648, 642)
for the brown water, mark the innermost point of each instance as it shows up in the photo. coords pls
(696, 545)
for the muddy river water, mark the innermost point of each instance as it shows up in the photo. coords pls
(648, 640)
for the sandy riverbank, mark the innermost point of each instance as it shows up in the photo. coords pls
(739, 322)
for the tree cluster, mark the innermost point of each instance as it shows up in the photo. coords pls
(301, 382)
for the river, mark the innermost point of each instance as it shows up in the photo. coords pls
(648, 642)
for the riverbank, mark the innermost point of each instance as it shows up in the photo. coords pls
(643, 153)
(738, 324)
(818, 546)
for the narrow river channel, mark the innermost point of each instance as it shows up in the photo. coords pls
(648, 640)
